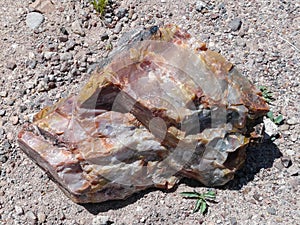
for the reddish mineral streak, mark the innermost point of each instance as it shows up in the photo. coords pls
(161, 109)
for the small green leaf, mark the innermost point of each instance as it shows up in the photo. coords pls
(278, 119)
(262, 88)
(203, 207)
(190, 194)
(210, 194)
(99, 5)
(198, 205)
(273, 138)
(109, 46)
(270, 115)
(266, 94)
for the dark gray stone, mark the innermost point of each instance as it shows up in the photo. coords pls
(104, 37)
(233, 221)
(121, 13)
(64, 31)
(31, 64)
(3, 158)
(70, 45)
(271, 211)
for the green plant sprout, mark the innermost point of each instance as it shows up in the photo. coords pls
(201, 203)
(99, 5)
(109, 47)
(277, 120)
(267, 95)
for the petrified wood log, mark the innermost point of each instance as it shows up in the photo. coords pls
(158, 109)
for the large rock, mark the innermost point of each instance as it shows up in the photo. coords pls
(156, 111)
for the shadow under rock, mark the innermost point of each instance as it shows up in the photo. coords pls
(96, 208)
(259, 156)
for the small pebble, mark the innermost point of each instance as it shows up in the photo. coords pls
(31, 64)
(118, 28)
(292, 121)
(271, 211)
(121, 13)
(200, 5)
(284, 127)
(11, 65)
(3, 158)
(63, 38)
(19, 210)
(34, 20)
(2, 112)
(30, 215)
(65, 56)
(100, 220)
(233, 221)
(6, 145)
(271, 128)
(22, 108)
(293, 137)
(286, 161)
(134, 16)
(130, 13)
(257, 197)
(64, 31)
(108, 20)
(14, 120)
(49, 55)
(10, 102)
(295, 182)
(104, 37)
(293, 170)
(77, 29)
(41, 217)
(51, 85)
(31, 55)
(143, 220)
(290, 152)
(214, 16)
(70, 45)
(3, 94)
(235, 24)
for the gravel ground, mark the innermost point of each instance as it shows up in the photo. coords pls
(47, 55)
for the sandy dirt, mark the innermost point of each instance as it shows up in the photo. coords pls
(50, 56)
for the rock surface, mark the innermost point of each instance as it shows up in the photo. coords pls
(162, 109)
